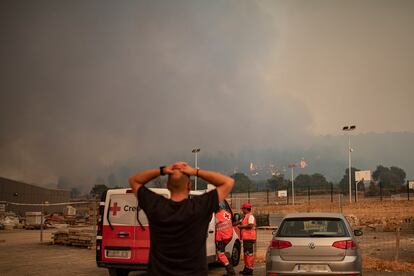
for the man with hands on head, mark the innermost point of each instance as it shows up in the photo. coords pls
(179, 225)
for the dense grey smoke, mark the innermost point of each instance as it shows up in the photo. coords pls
(89, 88)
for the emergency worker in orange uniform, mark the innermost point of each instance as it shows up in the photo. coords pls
(224, 234)
(248, 235)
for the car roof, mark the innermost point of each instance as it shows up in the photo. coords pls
(315, 214)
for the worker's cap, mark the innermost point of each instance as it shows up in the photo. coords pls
(246, 206)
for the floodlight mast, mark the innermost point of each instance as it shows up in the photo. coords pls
(348, 129)
(196, 151)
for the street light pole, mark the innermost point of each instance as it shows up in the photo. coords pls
(196, 151)
(348, 129)
(291, 166)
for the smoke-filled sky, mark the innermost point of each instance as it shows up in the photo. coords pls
(91, 85)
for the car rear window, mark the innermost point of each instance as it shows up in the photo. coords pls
(313, 227)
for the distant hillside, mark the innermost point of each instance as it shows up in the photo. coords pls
(329, 155)
(324, 154)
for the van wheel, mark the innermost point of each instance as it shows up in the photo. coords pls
(235, 254)
(118, 272)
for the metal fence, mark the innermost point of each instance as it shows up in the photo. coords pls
(388, 224)
(43, 213)
(310, 195)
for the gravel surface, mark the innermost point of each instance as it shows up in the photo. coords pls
(22, 254)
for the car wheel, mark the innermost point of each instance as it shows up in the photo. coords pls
(118, 272)
(235, 254)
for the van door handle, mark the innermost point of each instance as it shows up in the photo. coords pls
(123, 234)
(211, 231)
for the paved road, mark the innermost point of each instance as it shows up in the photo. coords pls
(22, 254)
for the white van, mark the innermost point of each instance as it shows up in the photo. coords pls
(122, 242)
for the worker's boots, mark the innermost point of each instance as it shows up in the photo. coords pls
(230, 270)
(246, 271)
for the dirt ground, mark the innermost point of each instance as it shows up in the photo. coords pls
(378, 220)
(22, 254)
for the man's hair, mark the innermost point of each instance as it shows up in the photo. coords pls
(177, 181)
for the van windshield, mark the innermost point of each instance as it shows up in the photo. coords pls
(313, 227)
(123, 210)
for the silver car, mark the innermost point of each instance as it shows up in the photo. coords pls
(314, 244)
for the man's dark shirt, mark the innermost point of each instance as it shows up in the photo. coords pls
(178, 232)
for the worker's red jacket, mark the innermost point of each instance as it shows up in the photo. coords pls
(224, 226)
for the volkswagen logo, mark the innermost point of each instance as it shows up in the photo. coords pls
(311, 245)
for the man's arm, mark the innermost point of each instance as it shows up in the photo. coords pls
(140, 179)
(223, 183)
(249, 225)
(246, 226)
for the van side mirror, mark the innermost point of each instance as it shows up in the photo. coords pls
(358, 233)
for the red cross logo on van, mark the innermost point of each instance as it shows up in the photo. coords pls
(115, 209)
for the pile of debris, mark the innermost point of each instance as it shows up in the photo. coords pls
(10, 221)
(74, 237)
(60, 237)
(382, 224)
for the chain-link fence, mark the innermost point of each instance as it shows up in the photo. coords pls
(387, 224)
(311, 195)
(45, 215)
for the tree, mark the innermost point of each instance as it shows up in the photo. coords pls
(378, 172)
(98, 190)
(319, 181)
(315, 181)
(242, 183)
(399, 175)
(373, 189)
(391, 178)
(344, 183)
(302, 181)
(277, 182)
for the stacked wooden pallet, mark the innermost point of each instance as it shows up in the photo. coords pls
(74, 237)
(60, 237)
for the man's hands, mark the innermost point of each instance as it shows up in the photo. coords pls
(223, 183)
(180, 166)
(168, 170)
(184, 168)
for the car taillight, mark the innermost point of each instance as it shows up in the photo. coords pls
(272, 274)
(279, 244)
(348, 244)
